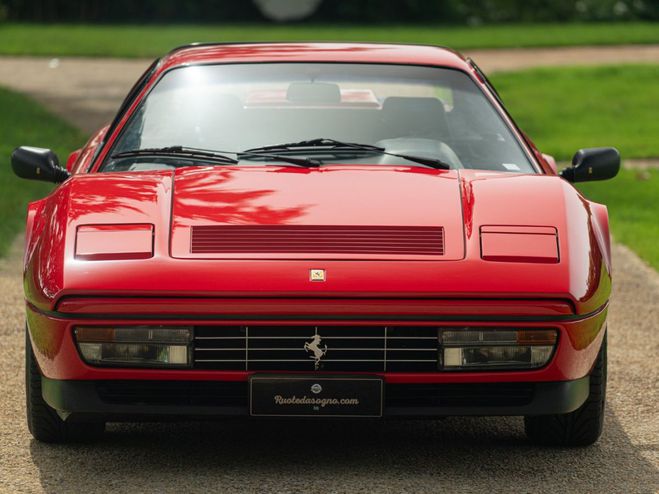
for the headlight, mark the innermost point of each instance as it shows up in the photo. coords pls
(471, 349)
(155, 346)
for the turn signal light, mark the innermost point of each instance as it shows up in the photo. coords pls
(155, 346)
(470, 349)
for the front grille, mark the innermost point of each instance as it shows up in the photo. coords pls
(344, 348)
(317, 239)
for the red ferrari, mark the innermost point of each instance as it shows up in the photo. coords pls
(315, 230)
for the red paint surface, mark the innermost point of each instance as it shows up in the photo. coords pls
(310, 307)
(332, 196)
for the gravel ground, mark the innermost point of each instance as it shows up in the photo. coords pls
(452, 455)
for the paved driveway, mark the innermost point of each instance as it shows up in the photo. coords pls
(453, 455)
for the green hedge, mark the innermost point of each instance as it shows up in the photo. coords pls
(442, 11)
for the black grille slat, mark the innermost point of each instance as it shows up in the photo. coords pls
(349, 348)
(412, 349)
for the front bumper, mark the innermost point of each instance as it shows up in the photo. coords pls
(116, 400)
(579, 339)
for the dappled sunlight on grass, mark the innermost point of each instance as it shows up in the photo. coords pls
(633, 202)
(24, 122)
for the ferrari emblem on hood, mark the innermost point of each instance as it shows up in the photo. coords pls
(317, 275)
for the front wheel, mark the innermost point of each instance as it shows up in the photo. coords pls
(579, 428)
(42, 420)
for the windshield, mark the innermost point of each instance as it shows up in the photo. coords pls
(422, 111)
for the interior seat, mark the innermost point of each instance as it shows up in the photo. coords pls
(420, 117)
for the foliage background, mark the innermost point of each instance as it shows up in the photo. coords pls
(355, 11)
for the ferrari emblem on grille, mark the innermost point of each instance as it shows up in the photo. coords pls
(314, 347)
(317, 275)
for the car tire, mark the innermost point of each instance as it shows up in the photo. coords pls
(579, 428)
(43, 421)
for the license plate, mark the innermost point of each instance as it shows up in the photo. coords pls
(305, 396)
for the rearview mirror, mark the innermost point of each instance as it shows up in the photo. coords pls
(593, 164)
(37, 164)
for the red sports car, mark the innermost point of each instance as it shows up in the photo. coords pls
(315, 230)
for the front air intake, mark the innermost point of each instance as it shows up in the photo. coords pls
(289, 239)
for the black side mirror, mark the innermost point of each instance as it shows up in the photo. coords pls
(37, 164)
(593, 164)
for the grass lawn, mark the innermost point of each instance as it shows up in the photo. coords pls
(24, 122)
(633, 201)
(564, 109)
(154, 40)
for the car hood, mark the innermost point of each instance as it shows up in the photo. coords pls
(336, 212)
(464, 203)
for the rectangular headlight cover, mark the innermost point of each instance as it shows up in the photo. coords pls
(531, 244)
(114, 242)
(155, 346)
(471, 349)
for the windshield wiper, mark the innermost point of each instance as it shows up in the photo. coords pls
(178, 151)
(307, 162)
(332, 144)
(318, 143)
(217, 156)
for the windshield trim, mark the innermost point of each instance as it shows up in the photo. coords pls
(104, 154)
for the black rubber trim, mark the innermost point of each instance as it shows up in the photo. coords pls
(139, 85)
(497, 96)
(315, 317)
(549, 398)
(78, 399)
(82, 398)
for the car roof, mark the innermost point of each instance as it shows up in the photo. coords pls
(209, 53)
